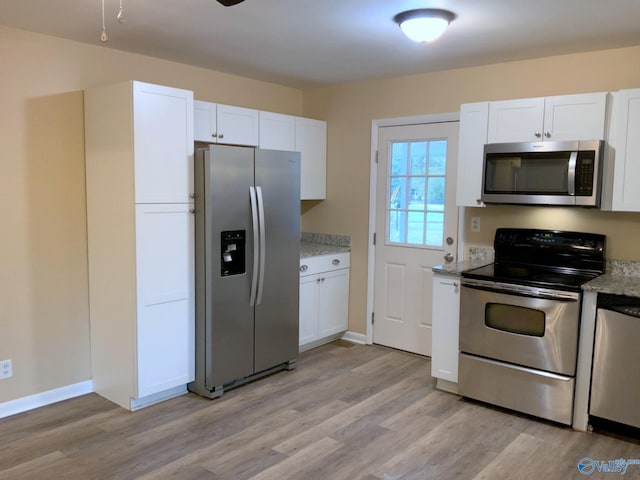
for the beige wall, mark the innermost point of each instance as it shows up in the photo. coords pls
(44, 324)
(43, 280)
(349, 110)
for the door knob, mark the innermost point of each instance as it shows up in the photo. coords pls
(448, 257)
(450, 241)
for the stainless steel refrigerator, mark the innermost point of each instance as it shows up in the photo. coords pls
(247, 212)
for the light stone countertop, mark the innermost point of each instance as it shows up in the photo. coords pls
(616, 284)
(308, 249)
(478, 257)
(315, 244)
(459, 267)
(621, 277)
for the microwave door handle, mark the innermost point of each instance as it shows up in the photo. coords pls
(571, 174)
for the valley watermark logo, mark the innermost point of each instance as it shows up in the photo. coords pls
(587, 466)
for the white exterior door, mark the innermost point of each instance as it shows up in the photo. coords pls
(416, 228)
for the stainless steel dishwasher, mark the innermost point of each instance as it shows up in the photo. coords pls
(615, 383)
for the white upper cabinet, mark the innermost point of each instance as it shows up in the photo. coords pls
(277, 131)
(205, 126)
(564, 117)
(622, 158)
(516, 120)
(217, 123)
(473, 135)
(163, 143)
(311, 142)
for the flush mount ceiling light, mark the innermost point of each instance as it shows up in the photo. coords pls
(424, 24)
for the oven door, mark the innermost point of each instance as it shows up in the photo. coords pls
(531, 327)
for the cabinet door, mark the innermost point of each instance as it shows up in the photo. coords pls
(165, 296)
(237, 125)
(446, 326)
(163, 143)
(575, 117)
(333, 302)
(311, 142)
(474, 119)
(308, 309)
(624, 154)
(516, 120)
(277, 131)
(204, 124)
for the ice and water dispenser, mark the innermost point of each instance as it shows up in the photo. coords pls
(233, 252)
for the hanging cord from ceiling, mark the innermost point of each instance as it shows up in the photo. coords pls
(120, 17)
(103, 35)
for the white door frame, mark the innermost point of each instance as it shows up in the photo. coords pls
(373, 178)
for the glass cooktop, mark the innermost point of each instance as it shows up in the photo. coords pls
(531, 275)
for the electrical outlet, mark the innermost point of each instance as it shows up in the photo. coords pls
(6, 369)
(475, 224)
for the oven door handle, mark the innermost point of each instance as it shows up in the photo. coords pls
(522, 291)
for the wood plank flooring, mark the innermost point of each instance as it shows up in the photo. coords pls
(347, 412)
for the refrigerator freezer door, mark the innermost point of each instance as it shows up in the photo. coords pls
(229, 317)
(276, 316)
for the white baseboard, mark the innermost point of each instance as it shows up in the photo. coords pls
(138, 403)
(355, 337)
(45, 398)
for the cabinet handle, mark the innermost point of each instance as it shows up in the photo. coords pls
(192, 210)
(220, 136)
(335, 261)
(192, 195)
(304, 268)
(214, 135)
(537, 134)
(547, 134)
(479, 201)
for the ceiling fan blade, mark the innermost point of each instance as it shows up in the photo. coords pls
(230, 3)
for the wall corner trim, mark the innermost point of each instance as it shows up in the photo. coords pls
(42, 399)
(355, 337)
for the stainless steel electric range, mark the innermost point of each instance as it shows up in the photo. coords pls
(520, 318)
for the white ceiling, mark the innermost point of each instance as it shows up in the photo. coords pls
(307, 43)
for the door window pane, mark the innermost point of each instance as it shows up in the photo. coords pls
(415, 231)
(418, 157)
(397, 226)
(416, 193)
(399, 152)
(397, 193)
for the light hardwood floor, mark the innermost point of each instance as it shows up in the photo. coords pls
(347, 412)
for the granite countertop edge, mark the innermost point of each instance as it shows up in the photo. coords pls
(459, 267)
(317, 244)
(309, 249)
(614, 283)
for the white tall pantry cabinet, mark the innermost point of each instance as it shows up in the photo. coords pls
(139, 175)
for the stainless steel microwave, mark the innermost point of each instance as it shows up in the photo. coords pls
(543, 173)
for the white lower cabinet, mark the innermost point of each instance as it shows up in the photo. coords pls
(164, 281)
(324, 299)
(446, 328)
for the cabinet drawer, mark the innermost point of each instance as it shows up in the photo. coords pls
(323, 263)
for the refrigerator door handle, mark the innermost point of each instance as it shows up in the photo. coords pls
(256, 245)
(263, 245)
